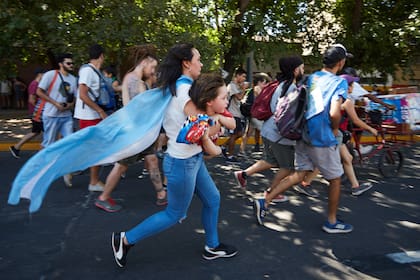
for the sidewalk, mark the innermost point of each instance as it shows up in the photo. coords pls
(15, 124)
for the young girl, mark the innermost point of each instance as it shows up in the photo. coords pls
(183, 164)
(209, 94)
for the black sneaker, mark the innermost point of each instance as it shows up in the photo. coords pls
(232, 159)
(15, 152)
(257, 148)
(119, 248)
(221, 251)
(224, 152)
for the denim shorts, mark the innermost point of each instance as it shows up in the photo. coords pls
(54, 126)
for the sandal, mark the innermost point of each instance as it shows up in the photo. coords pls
(161, 201)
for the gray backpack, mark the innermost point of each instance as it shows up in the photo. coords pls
(290, 113)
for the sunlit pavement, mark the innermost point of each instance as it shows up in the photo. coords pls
(69, 238)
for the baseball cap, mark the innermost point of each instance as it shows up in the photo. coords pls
(335, 53)
(350, 79)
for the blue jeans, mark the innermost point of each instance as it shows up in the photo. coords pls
(55, 125)
(185, 177)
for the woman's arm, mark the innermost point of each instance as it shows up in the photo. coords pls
(348, 106)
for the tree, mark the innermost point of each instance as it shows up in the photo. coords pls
(382, 34)
(224, 31)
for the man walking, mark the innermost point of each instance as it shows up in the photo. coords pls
(87, 111)
(56, 90)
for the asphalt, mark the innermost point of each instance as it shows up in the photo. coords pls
(69, 238)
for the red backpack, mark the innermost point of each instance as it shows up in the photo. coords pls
(261, 107)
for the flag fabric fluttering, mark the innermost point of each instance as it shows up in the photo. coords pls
(126, 132)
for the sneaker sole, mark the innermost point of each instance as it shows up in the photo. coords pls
(330, 230)
(100, 206)
(13, 153)
(115, 251)
(219, 256)
(285, 199)
(361, 192)
(238, 182)
(302, 191)
(95, 189)
(257, 209)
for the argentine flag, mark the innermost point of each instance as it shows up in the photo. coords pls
(126, 132)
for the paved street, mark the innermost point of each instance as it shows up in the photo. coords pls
(70, 239)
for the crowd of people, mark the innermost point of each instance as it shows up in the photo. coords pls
(58, 98)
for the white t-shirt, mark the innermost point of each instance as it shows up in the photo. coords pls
(173, 121)
(57, 92)
(88, 77)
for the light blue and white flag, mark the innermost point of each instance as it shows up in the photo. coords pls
(126, 132)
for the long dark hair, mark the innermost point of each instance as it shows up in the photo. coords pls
(287, 66)
(171, 67)
(204, 89)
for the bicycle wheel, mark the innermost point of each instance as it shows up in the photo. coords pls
(390, 162)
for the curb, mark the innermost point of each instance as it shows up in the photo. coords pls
(36, 145)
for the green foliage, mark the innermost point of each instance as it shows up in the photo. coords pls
(381, 33)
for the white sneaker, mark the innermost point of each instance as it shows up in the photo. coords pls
(365, 149)
(99, 187)
(67, 180)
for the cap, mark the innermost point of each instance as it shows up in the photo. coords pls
(350, 79)
(335, 53)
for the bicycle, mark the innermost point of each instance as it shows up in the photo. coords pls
(386, 145)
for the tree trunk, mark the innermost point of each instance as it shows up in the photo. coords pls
(239, 45)
(357, 16)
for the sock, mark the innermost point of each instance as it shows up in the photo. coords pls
(244, 175)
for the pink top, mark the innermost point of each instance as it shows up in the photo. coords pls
(32, 91)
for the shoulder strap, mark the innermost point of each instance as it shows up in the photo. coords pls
(40, 107)
(96, 71)
(52, 83)
(62, 82)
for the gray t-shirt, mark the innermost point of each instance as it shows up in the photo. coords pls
(234, 105)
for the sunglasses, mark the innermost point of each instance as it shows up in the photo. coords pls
(69, 63)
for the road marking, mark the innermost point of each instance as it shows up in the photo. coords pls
(405, 257)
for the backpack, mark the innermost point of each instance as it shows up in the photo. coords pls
(261, 108)
(106, 97)
(246, 106)
(290, 113)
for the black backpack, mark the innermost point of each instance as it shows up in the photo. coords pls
(246, 106)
